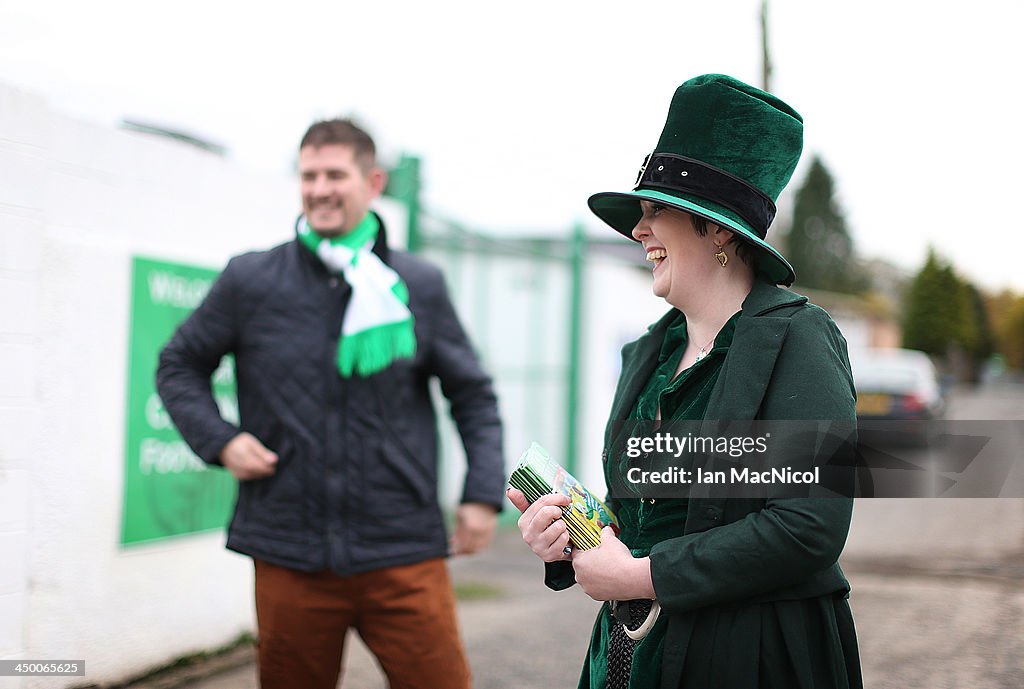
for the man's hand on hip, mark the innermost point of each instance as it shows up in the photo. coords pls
(474, 528)
(246, 458)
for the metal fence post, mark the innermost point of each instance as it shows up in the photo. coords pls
(404, 186)
(576, 261)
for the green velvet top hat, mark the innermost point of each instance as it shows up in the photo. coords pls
(726, 152)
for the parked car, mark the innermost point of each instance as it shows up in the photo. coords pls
(897, 385)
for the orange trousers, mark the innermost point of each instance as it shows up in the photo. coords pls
(405, 615)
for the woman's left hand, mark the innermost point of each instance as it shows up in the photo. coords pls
(610, 572)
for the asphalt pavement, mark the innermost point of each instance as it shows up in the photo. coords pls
(938, 598)
(958, 624)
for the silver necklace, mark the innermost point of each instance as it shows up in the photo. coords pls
(703, 351)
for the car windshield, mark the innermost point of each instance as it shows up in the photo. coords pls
(887, 376)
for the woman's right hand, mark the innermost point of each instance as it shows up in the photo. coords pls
(542, 526)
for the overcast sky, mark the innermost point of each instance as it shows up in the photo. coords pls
(521, 110)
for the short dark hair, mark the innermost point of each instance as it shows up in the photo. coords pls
(744, 250)
(346, 133)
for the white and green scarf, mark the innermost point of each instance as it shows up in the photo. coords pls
(378, 326)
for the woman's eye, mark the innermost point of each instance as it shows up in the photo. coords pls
(655, 210)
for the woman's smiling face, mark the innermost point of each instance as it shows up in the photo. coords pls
(682, 258)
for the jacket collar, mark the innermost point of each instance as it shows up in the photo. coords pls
(760, 333)
(380, 247)
(765, 297)
(747, 367)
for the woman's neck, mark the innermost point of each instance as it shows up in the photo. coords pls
(707, 311)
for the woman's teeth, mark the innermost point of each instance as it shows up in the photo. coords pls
(655, 255)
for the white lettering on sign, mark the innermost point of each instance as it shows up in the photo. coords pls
(158, 457)
(156, 416)
(175, 290)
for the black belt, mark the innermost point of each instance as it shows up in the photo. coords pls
(633, 620)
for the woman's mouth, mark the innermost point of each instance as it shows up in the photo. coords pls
(656, 256)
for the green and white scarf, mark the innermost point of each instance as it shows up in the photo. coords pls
(378, 326)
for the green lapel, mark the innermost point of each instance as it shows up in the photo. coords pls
(639, 359)
(747, 367)
(760, 332)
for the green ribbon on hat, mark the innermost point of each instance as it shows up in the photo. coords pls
(378, 327)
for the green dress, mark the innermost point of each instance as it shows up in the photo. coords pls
(752, 596)
(645, 522)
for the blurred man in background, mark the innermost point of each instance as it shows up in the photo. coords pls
(335, 338)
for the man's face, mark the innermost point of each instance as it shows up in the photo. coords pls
(336, 189)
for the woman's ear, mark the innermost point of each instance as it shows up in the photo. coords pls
(722, 236)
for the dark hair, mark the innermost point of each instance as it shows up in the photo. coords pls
(346, 133)
(746, 251)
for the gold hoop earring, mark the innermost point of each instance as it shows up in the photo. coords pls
(722, 257)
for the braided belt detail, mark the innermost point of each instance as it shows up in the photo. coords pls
(630, 617)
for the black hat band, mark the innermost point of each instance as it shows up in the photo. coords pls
(678, 173)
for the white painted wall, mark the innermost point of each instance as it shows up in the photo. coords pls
(77, 201)
(619, 307)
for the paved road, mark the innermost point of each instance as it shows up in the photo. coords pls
(938, 599)
(921, 628)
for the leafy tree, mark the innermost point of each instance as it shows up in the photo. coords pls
(980, 343)
(818, 243)
(946, 316)
(1007, 311)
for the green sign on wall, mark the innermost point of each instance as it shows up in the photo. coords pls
(168, 491)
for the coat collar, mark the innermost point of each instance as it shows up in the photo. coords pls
(765, 297)
(380, 246)
(748, 365)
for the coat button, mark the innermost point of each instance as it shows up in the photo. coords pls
(713, 514)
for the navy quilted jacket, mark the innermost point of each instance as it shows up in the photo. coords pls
(356, 482)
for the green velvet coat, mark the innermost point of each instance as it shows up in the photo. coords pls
(751, 590)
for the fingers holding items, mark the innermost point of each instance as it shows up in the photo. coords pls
(516, 497)
(610, 572)
(542, 527)
(550, 544)
(604, 573)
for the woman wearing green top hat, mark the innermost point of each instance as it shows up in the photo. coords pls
(709, 591)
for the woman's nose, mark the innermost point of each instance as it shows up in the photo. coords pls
(640, 231)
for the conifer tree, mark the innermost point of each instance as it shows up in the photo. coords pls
(941, 313)
(818, 243)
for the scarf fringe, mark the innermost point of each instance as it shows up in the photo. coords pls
(373, 350)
